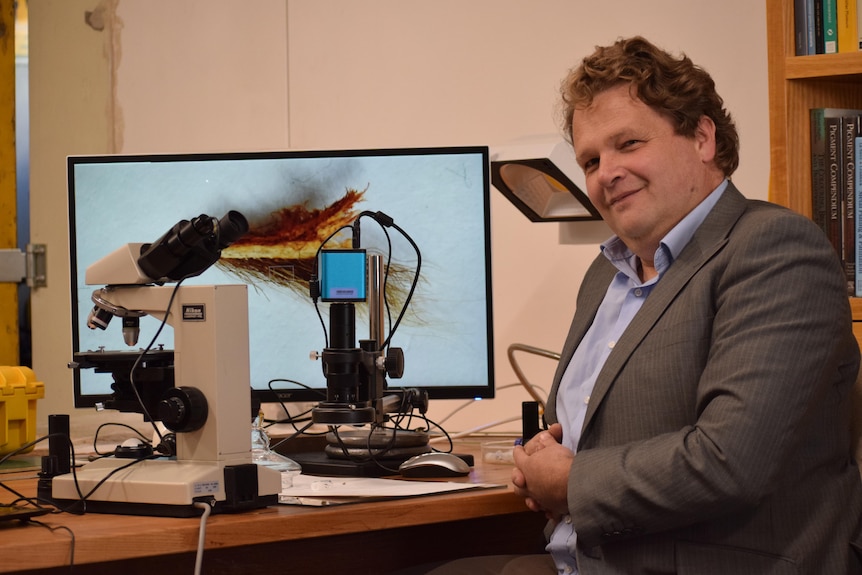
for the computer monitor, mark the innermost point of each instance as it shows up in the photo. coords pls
(293, 200)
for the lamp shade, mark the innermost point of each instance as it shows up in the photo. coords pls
(543, 180)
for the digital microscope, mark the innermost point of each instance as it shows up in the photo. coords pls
(358, 401)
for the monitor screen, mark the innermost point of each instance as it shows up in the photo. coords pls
(293, 201)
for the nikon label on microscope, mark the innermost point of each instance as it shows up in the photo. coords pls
(194, 312)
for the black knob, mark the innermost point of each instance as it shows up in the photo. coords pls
(183, 409)
(394, 362)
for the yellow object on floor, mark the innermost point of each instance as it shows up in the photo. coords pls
(19, 391)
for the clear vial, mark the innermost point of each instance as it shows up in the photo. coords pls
(262, 454)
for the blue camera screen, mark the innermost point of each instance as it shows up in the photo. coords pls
(342, 275)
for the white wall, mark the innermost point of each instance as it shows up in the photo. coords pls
(204, 75)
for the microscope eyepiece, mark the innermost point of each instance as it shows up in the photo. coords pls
(230, 228)
(190, 246)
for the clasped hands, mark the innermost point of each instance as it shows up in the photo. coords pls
(541, 473)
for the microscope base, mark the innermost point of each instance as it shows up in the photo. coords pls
(363, 453)
(319, 463)
(167, 487)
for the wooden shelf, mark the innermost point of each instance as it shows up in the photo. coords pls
(824, 66)
(796, 85)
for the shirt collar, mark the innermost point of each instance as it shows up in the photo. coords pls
(670, 246)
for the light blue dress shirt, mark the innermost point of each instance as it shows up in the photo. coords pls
(625, 296)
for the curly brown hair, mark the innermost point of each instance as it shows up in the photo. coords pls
(674, 87)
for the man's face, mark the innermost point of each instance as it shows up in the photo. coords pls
(641, 176)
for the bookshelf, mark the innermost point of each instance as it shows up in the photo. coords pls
(797, 84)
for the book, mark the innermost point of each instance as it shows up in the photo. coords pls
(818, 169)
(827, 173)
(803, 14)
(819, 47)
(833, 180)
(849, 132)
(830, 26)
(859, 23)
(858, 182)
(848, 26)
(811, 23)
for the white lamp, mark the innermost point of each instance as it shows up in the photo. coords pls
(543, 180)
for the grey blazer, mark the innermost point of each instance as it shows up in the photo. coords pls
(716, 440)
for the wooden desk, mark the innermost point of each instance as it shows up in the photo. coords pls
(370, 537)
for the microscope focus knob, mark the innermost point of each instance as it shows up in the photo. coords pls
(183, 409)
(395, 362)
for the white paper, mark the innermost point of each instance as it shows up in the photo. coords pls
(318, 490)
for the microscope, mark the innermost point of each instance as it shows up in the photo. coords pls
(200, 391)
(358, 401)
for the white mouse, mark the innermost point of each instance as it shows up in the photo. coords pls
(434, 464)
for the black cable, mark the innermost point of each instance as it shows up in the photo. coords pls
(386, 283)
(322, 324)
(144, 352)
(298, 433)
(217, 232)
(314, 283)
(24, 448)
(406, 411)
(391, 444)
(293, 419)
(384, 221)
(15, 493)
(99, 429)
(413, 284)
(83, 498)
(53, 528)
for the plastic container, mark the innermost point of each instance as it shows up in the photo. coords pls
(262, 454)
(19, 392)
(499, 452)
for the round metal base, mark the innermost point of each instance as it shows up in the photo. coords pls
(379, 443)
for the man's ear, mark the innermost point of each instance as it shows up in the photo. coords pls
(704, 136)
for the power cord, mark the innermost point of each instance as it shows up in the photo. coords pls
(144, 352)
(476, 429)
(35, 501)
(115, 424)
(533, 390)
(470, 402)
(384, 221)
(519, 373)
(202, 533)
(53, 528)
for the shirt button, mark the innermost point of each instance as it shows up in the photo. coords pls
(639, 292)
(611, 344)
(568, 569)
(586, 402)
(568, 519)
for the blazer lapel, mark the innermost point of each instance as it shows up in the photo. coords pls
(708, 240)
(590, 297)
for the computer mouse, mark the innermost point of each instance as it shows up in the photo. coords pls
(434, 464)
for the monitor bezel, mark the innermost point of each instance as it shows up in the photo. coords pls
(293, 394)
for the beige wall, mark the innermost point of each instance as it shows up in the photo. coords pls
(206, 75)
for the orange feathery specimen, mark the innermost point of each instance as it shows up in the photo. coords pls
(281, 250)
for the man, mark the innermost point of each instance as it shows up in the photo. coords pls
(699, 419)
